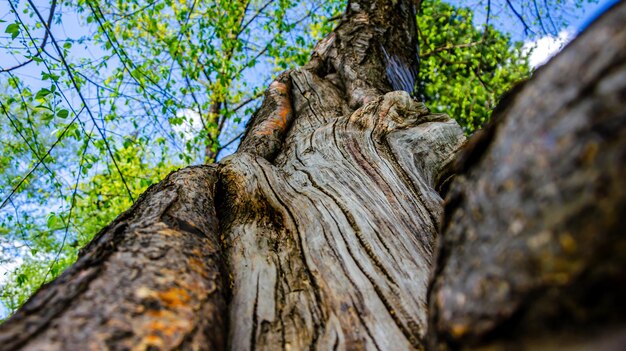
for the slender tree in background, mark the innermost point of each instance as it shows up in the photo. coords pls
(323, 230)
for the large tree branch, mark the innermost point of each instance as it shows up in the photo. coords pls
(153, 278)
(532, 250)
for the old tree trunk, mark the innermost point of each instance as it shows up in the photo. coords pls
(326, 230)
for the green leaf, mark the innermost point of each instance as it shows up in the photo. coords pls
(52, 76)
(13, 29)
(42, 93)
(63, 113)
(21, 279)
(53, 222)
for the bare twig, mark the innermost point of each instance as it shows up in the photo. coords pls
(539, 17)
(4, 202)
(519, 16)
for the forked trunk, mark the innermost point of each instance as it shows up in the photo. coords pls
(329, 215)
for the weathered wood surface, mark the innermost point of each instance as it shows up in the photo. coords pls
(152, 279)
(533, 254)
(372, 51)
(330, 247)
(330, 215)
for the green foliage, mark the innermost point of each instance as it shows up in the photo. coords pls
(50, 217)
(142, 88)
(138, 88)
(464, 69)
(13, 29)
(199, 63)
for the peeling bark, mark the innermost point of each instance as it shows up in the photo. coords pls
(152, 279)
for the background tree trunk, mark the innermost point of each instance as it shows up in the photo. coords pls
(329, 215)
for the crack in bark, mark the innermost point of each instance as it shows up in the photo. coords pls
(310, 275)
(374, 259)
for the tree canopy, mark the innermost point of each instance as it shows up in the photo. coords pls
(104, 99)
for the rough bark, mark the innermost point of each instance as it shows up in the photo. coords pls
(532, 255)
(330, 246)
(152, 279)
(329, 215)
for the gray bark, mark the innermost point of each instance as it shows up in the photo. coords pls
(322, 231)
(331, 245)
(329, 210)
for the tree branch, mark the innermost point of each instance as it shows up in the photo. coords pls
(43, 44)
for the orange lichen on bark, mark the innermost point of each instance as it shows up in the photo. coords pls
(173, 297)
(164, 329)
(278, 120)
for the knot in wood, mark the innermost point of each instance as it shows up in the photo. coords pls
(400, 107)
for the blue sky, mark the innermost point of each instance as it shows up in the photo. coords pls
(544, 46)
(72, 26)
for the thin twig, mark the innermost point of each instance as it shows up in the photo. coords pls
(69, 215)
(222, 147)
(539, 17)
(519, 16)
(43, 43)
(82, 98)
(4, 202)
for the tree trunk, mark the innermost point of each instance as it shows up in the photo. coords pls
(329, 209)
(329, 215)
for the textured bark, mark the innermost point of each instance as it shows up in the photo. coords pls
(532, 255)
(372, 51)
(330, 246)
(329, 215)
(152, 279)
